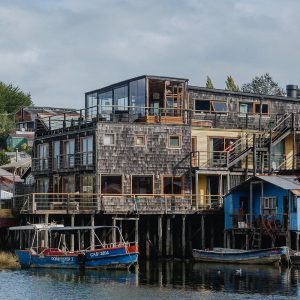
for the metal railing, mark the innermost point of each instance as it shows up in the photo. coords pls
(65, 161)
(65, 203)
(268, 222)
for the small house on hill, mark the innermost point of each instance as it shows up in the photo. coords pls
(263, 212)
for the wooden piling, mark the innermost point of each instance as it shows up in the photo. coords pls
(148, 237)
(168, 230)
(92, 233)
(46, 232)
(159, 235)
(72, 235)
(202, 232)
(136, 233)
(183, 241)
(114, 238)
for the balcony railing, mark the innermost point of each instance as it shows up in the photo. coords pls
(266, 222)
(64, 203)
(69, 161)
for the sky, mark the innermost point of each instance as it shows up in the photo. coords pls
(57, 50)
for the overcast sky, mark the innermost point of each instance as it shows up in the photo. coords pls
(59, 49)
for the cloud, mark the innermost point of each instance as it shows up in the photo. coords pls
(59, 49)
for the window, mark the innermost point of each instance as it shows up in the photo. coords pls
(105, 102)
(246, 108)
(91, 102)
(87, 184)
(56, 155)
(109, 139)
(269, 205)
(210, 106)
(174, 141)
(43, 156)
(140, 140)
(42, 185)
(87, 151)
(111, 184)
(137, 96)
(264, 108)
(121, 98)
(68, 184)
(142, 184)
(69, 151)
(172, 185)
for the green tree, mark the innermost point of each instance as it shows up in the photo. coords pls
(11, 100)
(264, 85)
(209, 83)
(230, 84)
(4, 159)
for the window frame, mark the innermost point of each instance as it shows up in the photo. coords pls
(172, 176)
(179, 139)
(141, 175)
(136, 137)
(211, 109)
(112, 175)
(111, 134)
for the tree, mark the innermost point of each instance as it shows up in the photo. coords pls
(209, 83)
(230, 84)
(11, 100)
(264, 85)
(4, 159)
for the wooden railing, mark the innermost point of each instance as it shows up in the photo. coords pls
(69, 203)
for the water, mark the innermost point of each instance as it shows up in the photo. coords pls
(164, 280)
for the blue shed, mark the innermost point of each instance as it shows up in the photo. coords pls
(266, 203)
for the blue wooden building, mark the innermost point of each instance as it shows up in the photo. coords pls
(262, 212)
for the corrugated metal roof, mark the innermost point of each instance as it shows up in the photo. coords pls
(284, 182)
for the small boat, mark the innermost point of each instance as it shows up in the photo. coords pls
(114, 255)
(236, 256)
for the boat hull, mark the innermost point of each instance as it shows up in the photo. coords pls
(112, 258)
(29, 260)
(263, 256)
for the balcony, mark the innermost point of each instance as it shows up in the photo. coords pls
(86, 203)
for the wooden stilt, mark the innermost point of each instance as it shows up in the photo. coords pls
(202, 232)
(114, 237)
(121, 229)
(212, 235)
(233, 239)
(82, 234)
(159, 235)
(46, 232)
(136, 232)
(297, 242)
(168, 230)
(247, 241)
(183, 239)
(224, 238)
(148, 237)
(92, 233)
(72, 235)
(171, 239)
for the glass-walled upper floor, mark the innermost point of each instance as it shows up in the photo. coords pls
(138, 97)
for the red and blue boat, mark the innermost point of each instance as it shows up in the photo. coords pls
(115, 255)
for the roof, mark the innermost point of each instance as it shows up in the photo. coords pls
(9, 176)
(261, 96)
(284, 182)
(26, 162)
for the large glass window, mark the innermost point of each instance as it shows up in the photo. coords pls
(137, 96)
(87, 151)
(121, 98)
(69, 150)
(43, 156)
(172, 185)
(111, 184)
(91, 103)
(56, 155)
(105, 103)
(69, 184)
(142, 184)
(87, 184)
(42, 185)
(246, 108)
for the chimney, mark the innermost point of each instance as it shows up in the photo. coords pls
(292, 90)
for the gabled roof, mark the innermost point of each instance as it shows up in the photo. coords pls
(284, 182)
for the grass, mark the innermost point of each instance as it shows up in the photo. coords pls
(8, 260)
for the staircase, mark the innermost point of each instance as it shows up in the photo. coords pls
(256, 239)
(260, 141)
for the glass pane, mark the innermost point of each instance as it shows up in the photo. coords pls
(246, 108)
(111, 184)
(87, 184)
(137, 96)
(105, 103)
(91, 102)
(121, 99)
(220, 106)
(174, 141)
(142, 184)
(69, 184)
(202, 105)
(168, 185)
(56, 161)
(265, 108)
(177, 185)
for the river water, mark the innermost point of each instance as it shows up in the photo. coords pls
(154, 280)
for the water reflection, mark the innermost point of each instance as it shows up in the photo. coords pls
(182, 278)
